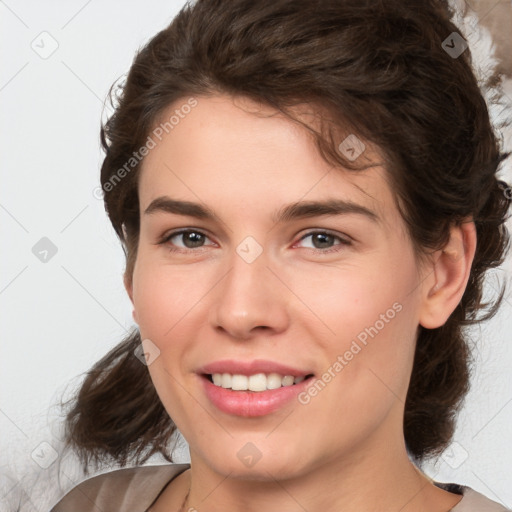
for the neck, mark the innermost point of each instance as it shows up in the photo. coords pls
(374, 482)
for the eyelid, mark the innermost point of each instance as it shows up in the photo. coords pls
(167, 236)
(342, 236)
(344, 239)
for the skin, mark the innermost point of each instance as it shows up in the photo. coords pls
(345, 449)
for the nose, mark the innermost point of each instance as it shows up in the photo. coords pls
(249, 300)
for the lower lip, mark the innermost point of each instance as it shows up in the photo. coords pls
(250, 403)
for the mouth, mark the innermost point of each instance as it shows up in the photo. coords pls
(253, 395)
(255, 383)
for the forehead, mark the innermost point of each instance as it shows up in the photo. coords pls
(229, 150)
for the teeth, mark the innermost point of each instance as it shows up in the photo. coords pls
(256, 382)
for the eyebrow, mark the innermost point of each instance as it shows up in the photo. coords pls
(298, 210)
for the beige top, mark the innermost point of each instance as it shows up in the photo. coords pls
(136, 489)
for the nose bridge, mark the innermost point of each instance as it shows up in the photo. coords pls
(247, 297)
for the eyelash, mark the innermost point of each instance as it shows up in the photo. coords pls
(336, 248)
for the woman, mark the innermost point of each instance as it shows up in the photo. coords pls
(306, 193)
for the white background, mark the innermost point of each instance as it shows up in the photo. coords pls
(59, 317)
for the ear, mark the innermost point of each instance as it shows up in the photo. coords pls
(447, 276)
(128, 286)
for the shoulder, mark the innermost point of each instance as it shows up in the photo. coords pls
(122, 490)
(472, 501)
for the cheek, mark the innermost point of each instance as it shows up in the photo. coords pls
(364, 321)
(167, 300)
(164, 296)
(342, 301)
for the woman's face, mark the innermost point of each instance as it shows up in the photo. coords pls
(262, 287)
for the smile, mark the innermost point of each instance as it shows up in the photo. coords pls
(248, 403)
(257, 382)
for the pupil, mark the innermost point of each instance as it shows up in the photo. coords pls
(193, 237)
(318, 237)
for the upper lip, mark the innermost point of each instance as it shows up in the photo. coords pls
(251, 368)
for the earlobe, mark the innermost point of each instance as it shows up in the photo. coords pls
(128, 285)
(449, 275)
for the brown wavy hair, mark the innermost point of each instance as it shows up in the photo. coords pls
(380, 70)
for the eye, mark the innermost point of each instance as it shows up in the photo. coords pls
(322, 241)
(191, 239)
